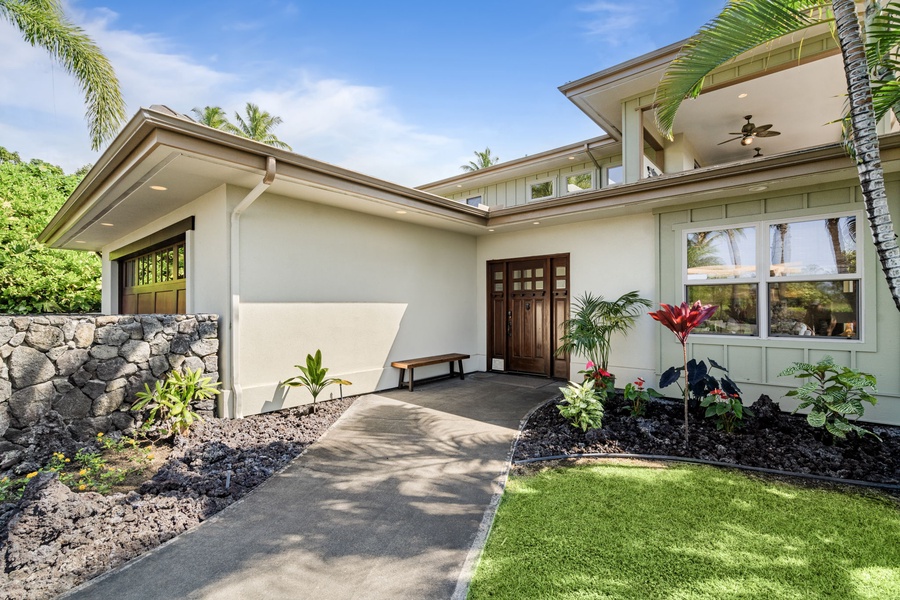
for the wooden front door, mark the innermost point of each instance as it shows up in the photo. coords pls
(528, 301)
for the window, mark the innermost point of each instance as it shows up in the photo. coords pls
(614, 176)
(473, 201)
(809, 284)
(541, 189)
(579, 182)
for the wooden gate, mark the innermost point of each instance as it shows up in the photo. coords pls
(155, 282)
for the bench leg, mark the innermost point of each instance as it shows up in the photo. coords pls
(462, 374)
(402, 373)
(411, 371)
(452, 373)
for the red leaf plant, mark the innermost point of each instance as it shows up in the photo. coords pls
(681, 320)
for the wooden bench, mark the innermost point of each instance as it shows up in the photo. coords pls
(411, 365)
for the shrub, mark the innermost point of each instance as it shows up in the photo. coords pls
(700, 381)
(170, 401)
(582, 406)
(833, 392)
(638, 397)
(604, 381)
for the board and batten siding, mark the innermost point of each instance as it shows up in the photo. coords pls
(755, 363)
(514, 192)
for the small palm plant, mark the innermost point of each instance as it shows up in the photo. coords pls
(312, 377)
(170, 401)
(594, 321)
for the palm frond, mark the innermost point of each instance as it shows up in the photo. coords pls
(741, 26)
(43, 23)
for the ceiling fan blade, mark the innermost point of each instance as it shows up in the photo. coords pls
(768, 133)
(731, 140)
(735, 133)
(762, 128)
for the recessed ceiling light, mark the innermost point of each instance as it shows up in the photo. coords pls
(400, 212)
(80, 242)
(458, 185)
(571, 158)
(158, 188)
(536, 223)
(759, 188)
(744, 95)
(490, 229)
(107, 224)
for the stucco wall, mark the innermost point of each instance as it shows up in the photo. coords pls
(608, 257)
(63, 379)
(365, 290)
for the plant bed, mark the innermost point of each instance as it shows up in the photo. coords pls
(54, 538)
(773, 440)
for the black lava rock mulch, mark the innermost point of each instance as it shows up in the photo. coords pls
(773, 440)
(54, 539)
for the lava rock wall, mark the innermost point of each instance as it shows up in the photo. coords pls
(63, 379)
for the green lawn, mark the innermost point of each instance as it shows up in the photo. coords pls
(628, 531)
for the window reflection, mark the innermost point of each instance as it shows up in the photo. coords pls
(820, 247)
(737, 312)
(722, 254)
(814, 308)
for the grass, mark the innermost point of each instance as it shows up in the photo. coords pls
(634, 531)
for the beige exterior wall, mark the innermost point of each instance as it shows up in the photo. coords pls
(755, 363)
(365, 290)
(607, 257)
(207, 272)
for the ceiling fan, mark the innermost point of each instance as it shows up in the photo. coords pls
(750, 131)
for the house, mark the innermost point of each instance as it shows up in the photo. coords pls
(296, 254)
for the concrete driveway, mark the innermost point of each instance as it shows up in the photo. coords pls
(386, 505)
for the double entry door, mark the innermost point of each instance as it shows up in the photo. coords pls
(528, 299)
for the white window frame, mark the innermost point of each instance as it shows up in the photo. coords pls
(478, 197)
(564, 187)
(764, 278)
(549, 180)
(604, 175)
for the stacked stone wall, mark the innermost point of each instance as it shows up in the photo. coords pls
(63, 379)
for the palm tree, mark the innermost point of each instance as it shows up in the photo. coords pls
(212, 116)
(43, 23)
(482, 161)
(745, 24)
(257, 126)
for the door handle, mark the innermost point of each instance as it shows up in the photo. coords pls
(509, 323)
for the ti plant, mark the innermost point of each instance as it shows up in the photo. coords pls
(170, 401)
(582, 407)
(681, 320)
(833, 392)
(312, 377)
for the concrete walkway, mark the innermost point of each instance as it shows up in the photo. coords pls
(386, 505)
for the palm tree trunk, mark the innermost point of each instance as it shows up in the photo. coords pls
(865, 142)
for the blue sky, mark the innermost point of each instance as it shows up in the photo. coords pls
(399, 90)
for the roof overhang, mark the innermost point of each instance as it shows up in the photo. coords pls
(163, 150)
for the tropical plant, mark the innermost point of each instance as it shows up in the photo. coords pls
(833, 392)
(212, 116)
(727, 410)
(257, 126)
(700, 381)
(638, 397)
(43, 23)
(170, 401)
(482, 160)
(604, 381)
(681, 320)
(594, 321)
(582, 406)
(746, 24)
(34, 278)
(313, 378)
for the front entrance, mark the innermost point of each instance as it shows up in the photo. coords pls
(528, 299)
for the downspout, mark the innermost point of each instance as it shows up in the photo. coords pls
(587, 148)
(234, 321)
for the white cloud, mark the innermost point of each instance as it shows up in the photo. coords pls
(621, 23)
(354, 126)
